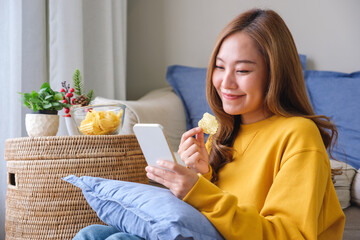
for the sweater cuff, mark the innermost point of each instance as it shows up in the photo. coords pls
(200, 191)
(208, 175)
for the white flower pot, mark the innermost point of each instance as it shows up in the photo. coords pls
(38, 125)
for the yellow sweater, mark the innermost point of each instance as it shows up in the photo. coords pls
(278, 186)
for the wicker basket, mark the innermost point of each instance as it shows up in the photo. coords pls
(39, 204)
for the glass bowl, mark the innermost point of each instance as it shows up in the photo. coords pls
(101, 119)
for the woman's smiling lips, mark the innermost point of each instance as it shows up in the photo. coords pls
(231, 96)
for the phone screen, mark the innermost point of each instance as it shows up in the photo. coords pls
(154, 143)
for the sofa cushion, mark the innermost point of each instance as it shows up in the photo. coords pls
(147, 211)
(343, 182)
(352, 223)
(337, 95)
(355, 190)
(190, 85)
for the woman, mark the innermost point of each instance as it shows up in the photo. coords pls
(265, 174)
(269, 174)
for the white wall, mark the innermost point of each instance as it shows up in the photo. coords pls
(166, 32)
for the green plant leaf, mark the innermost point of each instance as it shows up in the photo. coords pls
(58, 96)
(78, 83)
(44, 99)
(34, 94)
(50, 91)
(47, 106)
(90, 95)
(48, 97)
(45, 85)
(26, 96)
(35, 101)
(39, 105)
(67, 105)
(58, 106)
(42, 91)
(35, 108)
(27, 104)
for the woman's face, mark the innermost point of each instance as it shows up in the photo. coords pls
(240, 78)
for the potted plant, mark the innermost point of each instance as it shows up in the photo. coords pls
(45, 104)
(76, 97)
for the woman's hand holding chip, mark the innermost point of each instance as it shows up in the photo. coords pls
(192, 151)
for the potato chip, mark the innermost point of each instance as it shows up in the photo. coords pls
(100, 122)
(86, 128)
(208, 124)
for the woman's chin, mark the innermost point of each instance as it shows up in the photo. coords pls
(232, 111)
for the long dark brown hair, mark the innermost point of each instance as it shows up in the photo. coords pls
(285, 92)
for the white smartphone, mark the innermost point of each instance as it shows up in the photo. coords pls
(154, 143)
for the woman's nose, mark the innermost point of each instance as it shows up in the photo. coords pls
(229, 80)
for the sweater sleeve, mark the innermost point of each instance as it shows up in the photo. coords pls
(292, 209)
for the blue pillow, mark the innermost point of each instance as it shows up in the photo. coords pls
(189, 83)
(303, 61)
(337, 95)
(144, 210)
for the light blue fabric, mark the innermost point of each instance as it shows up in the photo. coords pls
(337, 95)
(189, 83)
(102, 232)
(143, 210)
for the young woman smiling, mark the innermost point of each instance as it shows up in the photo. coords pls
(266, 173)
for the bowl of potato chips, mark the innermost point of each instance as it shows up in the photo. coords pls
(105, 119)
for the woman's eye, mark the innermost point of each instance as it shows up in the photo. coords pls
(242, 71)
(219, 67)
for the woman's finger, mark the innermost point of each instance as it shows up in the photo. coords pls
(190, 133)
(187, 156)
(158, 179)
(187, 143)
(172, 167)
(200, 138)
(162, 176)
(193, 160)
(174, 176)
(190, 150)
(167, 170)
(166, 174)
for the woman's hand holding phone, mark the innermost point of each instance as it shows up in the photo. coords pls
(179, 179)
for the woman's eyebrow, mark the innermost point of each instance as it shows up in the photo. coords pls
(238, 61)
